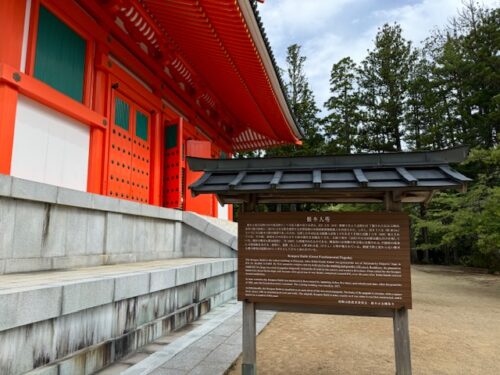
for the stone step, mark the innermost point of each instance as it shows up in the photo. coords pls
(208, 347)
(77, 321)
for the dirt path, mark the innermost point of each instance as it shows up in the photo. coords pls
(454, 329)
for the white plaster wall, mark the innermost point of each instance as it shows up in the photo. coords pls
(222, 211)
(49, 147)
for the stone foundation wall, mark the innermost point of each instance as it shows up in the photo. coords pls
(44, 227)
(78, 328)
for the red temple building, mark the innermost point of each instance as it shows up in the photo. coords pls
(110, 96)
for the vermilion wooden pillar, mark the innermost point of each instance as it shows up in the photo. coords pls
(156, 166)
(12, 13)
(98, 136)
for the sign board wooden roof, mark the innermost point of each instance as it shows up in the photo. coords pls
(414, 176)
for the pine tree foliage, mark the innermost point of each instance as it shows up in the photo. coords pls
(384, 81)
(303, 106)
(341, 123)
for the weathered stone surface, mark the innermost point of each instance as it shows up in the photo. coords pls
(217, 268)
(228, 265)
(25, 347)
(197, 244)
(149, 210)
(194, 220)
(7, 221)
(162, 279)
(185, 295)
(127, 234)
(203, 271)
(34, 191)
(178, 237)
(74, 366)
(75, 198)
(114, 229)
(219, 234)
(55, 241)
(164, 236)
(83, 295)
(76, 231)
(169, 214)
(101, 202)
(129, 207)
(27, 264)
(227, 252)
(31, 223)
(185, 274)
(187, 360)
(139, 239)
(25, 307)
(50, 370)
(121, 258)
(77, 261)
(234, 243)
(95, 232)
(5, 185)
(131, 285)
(149, 231)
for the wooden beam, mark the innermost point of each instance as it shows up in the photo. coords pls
(407, 176)
(451, 173)
(402, 342)
(317, 178)
(202, 180)
(46, 95)
(276, 179)
(237, 180)
(402, 349)
(360, 176)
(249, 343)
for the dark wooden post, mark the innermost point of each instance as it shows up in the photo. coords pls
(249, 334)
(402, 349)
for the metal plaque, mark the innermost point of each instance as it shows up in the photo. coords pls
(355, 259)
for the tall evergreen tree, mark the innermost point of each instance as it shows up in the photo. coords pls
(423, 113)
(468, 71)
(303, 106)
(343, 115)
(384, 79)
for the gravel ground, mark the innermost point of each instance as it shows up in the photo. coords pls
(454, 329)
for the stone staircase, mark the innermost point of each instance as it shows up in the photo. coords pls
(85, 280)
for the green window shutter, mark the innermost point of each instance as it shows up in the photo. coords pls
(59, 56)
(171, 137)
(141, 125)
(122, 113)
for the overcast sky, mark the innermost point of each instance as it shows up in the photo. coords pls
(329, 30)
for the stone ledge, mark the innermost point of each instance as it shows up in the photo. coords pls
(23, 307)
(49, 298)
(210, 229)
(5, 185)
(19, 188)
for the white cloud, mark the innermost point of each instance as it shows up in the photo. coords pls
(329, 30)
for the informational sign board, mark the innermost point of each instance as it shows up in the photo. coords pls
(355, 259)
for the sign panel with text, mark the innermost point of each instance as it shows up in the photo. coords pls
(355, 259)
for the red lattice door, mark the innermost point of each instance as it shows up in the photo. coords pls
(129, 151)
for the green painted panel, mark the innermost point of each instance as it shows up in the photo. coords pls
(223, 155)
(122, 113)
(141, 125)
(59, 56)
(171, 137)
